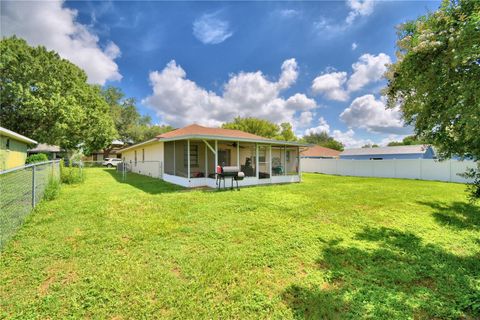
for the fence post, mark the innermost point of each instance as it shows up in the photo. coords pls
(33, 186)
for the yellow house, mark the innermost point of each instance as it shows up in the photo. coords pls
(13, 149)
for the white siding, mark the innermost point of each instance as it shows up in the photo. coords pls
(151, 165)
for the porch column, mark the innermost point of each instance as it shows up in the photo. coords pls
(188, 158)
(256, 160)
(270, 160)
(216, 155)
(206, 161)
(238, 155)
(299, 167)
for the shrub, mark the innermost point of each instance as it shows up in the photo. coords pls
(52, 190)
(39, 157)
(71, 174)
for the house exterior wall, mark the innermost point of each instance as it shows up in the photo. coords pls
(172, 157)
(13, 156)
(151, 165)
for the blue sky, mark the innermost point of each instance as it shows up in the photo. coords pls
(317, 65)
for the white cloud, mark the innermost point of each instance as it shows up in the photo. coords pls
(358, 8)
(288, 13)
(369, 68)
(179, 101)
(331, 85)
(354, 46)
(55, 27)
(305, 119)
(368, 113)
(300, 102)
(211, 29)
(349, 140)
(337, 85)
(323, 126)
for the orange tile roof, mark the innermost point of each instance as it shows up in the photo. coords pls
(195, 129)
(318, 151)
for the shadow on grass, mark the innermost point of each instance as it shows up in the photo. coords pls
(461, 215)
(145, 183)
(389, 274)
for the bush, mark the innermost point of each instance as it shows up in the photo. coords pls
(71, 174)
(52, 190)
(39, 157)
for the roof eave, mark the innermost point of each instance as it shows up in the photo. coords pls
(213, 137)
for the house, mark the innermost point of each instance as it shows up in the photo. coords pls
(318, 152)
(384, 153)
(100, 155)
(52, 152)
(13, 149)
(189, 156)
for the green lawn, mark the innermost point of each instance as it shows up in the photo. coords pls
(329, 247)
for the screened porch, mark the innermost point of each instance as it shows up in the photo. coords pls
(193, 162)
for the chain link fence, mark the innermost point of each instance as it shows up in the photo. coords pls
(21, 189)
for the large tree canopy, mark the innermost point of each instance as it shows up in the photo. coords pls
(436, 80)
(131, 126)
(324, 140)
(48, 98)
(263, 128)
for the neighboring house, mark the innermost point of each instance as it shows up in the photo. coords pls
(52, 152)
(100, 155)
(189, 156)
(318, 152)
(385, 153)
(13, 149)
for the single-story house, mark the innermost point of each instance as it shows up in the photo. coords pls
(52, 152)
(384, 153)
(189, 157)
(318, 152)
(100, 155)
(13, 149)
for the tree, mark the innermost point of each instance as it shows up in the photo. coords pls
(260, 127)
(369, 145)
(435, 80)
(48, 98)
(263, 128)
(130, 124)
(324, 140)
(408, 141)
(286, 132)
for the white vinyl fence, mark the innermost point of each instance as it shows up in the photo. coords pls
(423, 169)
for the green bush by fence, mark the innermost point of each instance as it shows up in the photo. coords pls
(39, 157)
(71, 174)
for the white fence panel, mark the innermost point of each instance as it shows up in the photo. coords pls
(423, 169)
(384, 169)
(407, 168)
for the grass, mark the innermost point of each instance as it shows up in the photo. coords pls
(329, 247)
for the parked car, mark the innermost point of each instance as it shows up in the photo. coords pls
(111, 162)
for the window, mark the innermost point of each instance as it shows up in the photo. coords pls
(8, 144)
(135, 157)
(288, 156)
(143, 155)
(193, 156)
(262, 154)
